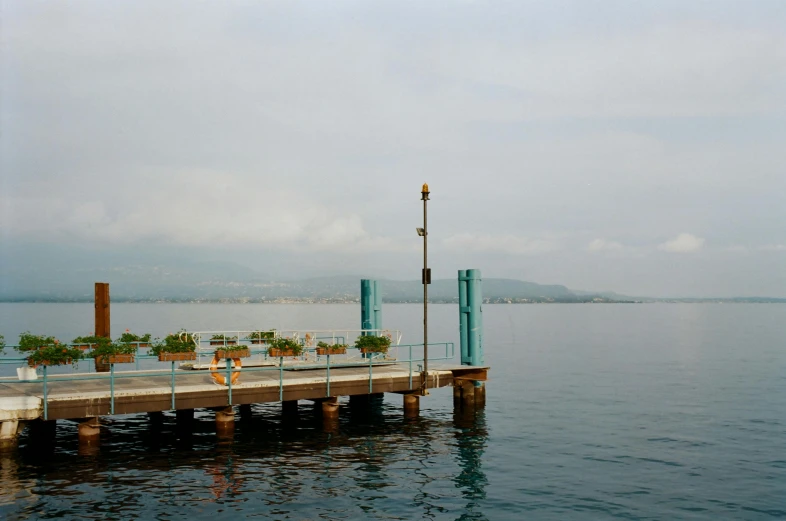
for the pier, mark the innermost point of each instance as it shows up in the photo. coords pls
(42, 397)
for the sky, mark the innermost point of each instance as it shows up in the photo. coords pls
(635, 147)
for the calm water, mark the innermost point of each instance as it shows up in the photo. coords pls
(594, 412)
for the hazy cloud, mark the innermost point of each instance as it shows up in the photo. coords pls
(683, 243)
(604, 245)
(543, 128)
(508, 244)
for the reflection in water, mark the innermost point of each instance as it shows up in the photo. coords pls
(368, 465)
(227, 481)
(471, 437)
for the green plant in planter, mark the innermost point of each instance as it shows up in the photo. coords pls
(106, 349)
(91, 341)
(286, 345)
(55, 354)
(323, 348)
(373, 344)
(181, 342)
(259, 337)
(29, 342)
(217, 340)
(46, 350)
(2, 344)
(128, 337)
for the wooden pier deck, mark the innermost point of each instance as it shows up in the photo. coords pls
(68, 397)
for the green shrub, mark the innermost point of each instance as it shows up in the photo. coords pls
(373, 344)
(110, 348)
(55, 354)
(223, 338)
(262, 335)
(29, 342)
(97, 340)
(180, 342)
(330, 346)
(287, 344)
(128, 337)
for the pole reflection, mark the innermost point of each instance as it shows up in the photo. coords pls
(471, 439)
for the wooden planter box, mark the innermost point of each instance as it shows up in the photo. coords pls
(331, 351)
(232, 353)
(47, 362)
(223, 342)
(275, 353)
(177, 357)
(366, 351)
(260, 341)
(115, 359)
(85, 347)
(142, 344)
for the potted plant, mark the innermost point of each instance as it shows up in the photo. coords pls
(2, 344)
(324, 348)
(46, 350)
(261, 337)
(222, 340)
(55, 354)
(232, 352)
(177, 347)
(284, 347)
(372, 344)
(89, 342)
(29, 342)
(108, 352)
(131, 338)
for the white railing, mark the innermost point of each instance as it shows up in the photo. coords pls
(206, 344)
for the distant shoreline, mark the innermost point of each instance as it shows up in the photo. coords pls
(495, 300)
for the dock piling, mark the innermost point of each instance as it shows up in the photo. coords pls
(225, 421)
(470, 393)
(289, 408)
(89, 431)
(330, 408)
(411, 405)
(183, 420)
(9, 435)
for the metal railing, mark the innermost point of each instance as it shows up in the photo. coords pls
(346, 361)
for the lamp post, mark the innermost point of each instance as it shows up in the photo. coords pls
(426, 278)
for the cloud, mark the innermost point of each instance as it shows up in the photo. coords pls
(196, 208)
(603, 245)
(683, 243)
(773, 247)
(510, 244)
(297, 129)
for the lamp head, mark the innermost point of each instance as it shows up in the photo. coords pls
(421, 232)
(424, 192)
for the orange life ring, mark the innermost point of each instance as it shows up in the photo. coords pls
(218, 377)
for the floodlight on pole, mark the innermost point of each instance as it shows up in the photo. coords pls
(426, 278)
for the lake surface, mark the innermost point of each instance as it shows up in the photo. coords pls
(656, 411)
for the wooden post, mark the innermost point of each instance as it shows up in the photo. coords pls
(330, 408)
(89, 430)
(225, 421)
(289, 408)
(102, 309)
(411, 405)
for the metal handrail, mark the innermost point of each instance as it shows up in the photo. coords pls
(112, 376)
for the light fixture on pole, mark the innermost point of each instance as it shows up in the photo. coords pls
(426, 279)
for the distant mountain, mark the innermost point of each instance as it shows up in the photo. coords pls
(185, 281)
(46, 274)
